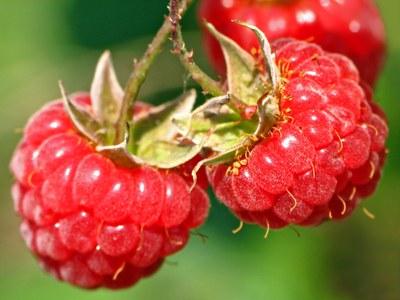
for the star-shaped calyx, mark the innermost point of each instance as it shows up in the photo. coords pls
(149, 138)
(228, 125)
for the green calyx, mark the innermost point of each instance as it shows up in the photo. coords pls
(229, 125)
(106, 95)
(156, 139)
(151, 139)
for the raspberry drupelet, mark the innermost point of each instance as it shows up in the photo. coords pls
(90, 218)
(323, 155)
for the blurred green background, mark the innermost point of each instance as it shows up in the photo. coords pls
(46, 40)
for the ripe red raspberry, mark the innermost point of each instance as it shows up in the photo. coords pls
(324, 153)
(90, 220)
(350, 27)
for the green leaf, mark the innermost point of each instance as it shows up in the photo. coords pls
(106, 93)
(81, 119)
(245, 81)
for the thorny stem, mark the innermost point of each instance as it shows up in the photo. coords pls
(141, 69)
(186, 57)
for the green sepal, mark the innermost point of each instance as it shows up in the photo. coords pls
(106, 93)
(267, 112)
(222, 123)
(106, 97)
(215, 159)
(120, 154)
(155, 138)
(168, 155)
(82, 120)
(269, 57)
(216, 126)
(157, 124)
(244, 80)
(151, 139)
(201, 122)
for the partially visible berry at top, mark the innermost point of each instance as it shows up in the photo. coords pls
(351, 27)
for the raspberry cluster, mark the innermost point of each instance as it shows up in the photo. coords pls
(323, 155)
(108, 187)
(89, 221)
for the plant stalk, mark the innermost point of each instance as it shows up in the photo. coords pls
(141, 70)
(186, 57)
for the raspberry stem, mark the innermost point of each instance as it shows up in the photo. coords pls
(186, 57)
(141, 69)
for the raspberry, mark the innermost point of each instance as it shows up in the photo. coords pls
(90, 221)
(322, 155)
(353, 28)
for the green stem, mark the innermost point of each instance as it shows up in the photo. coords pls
(141, 69)
(186, 57)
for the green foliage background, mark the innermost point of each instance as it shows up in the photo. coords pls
(46, 40)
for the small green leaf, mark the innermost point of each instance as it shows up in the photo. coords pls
(245, 82)
(106, 93)
(81, 119)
